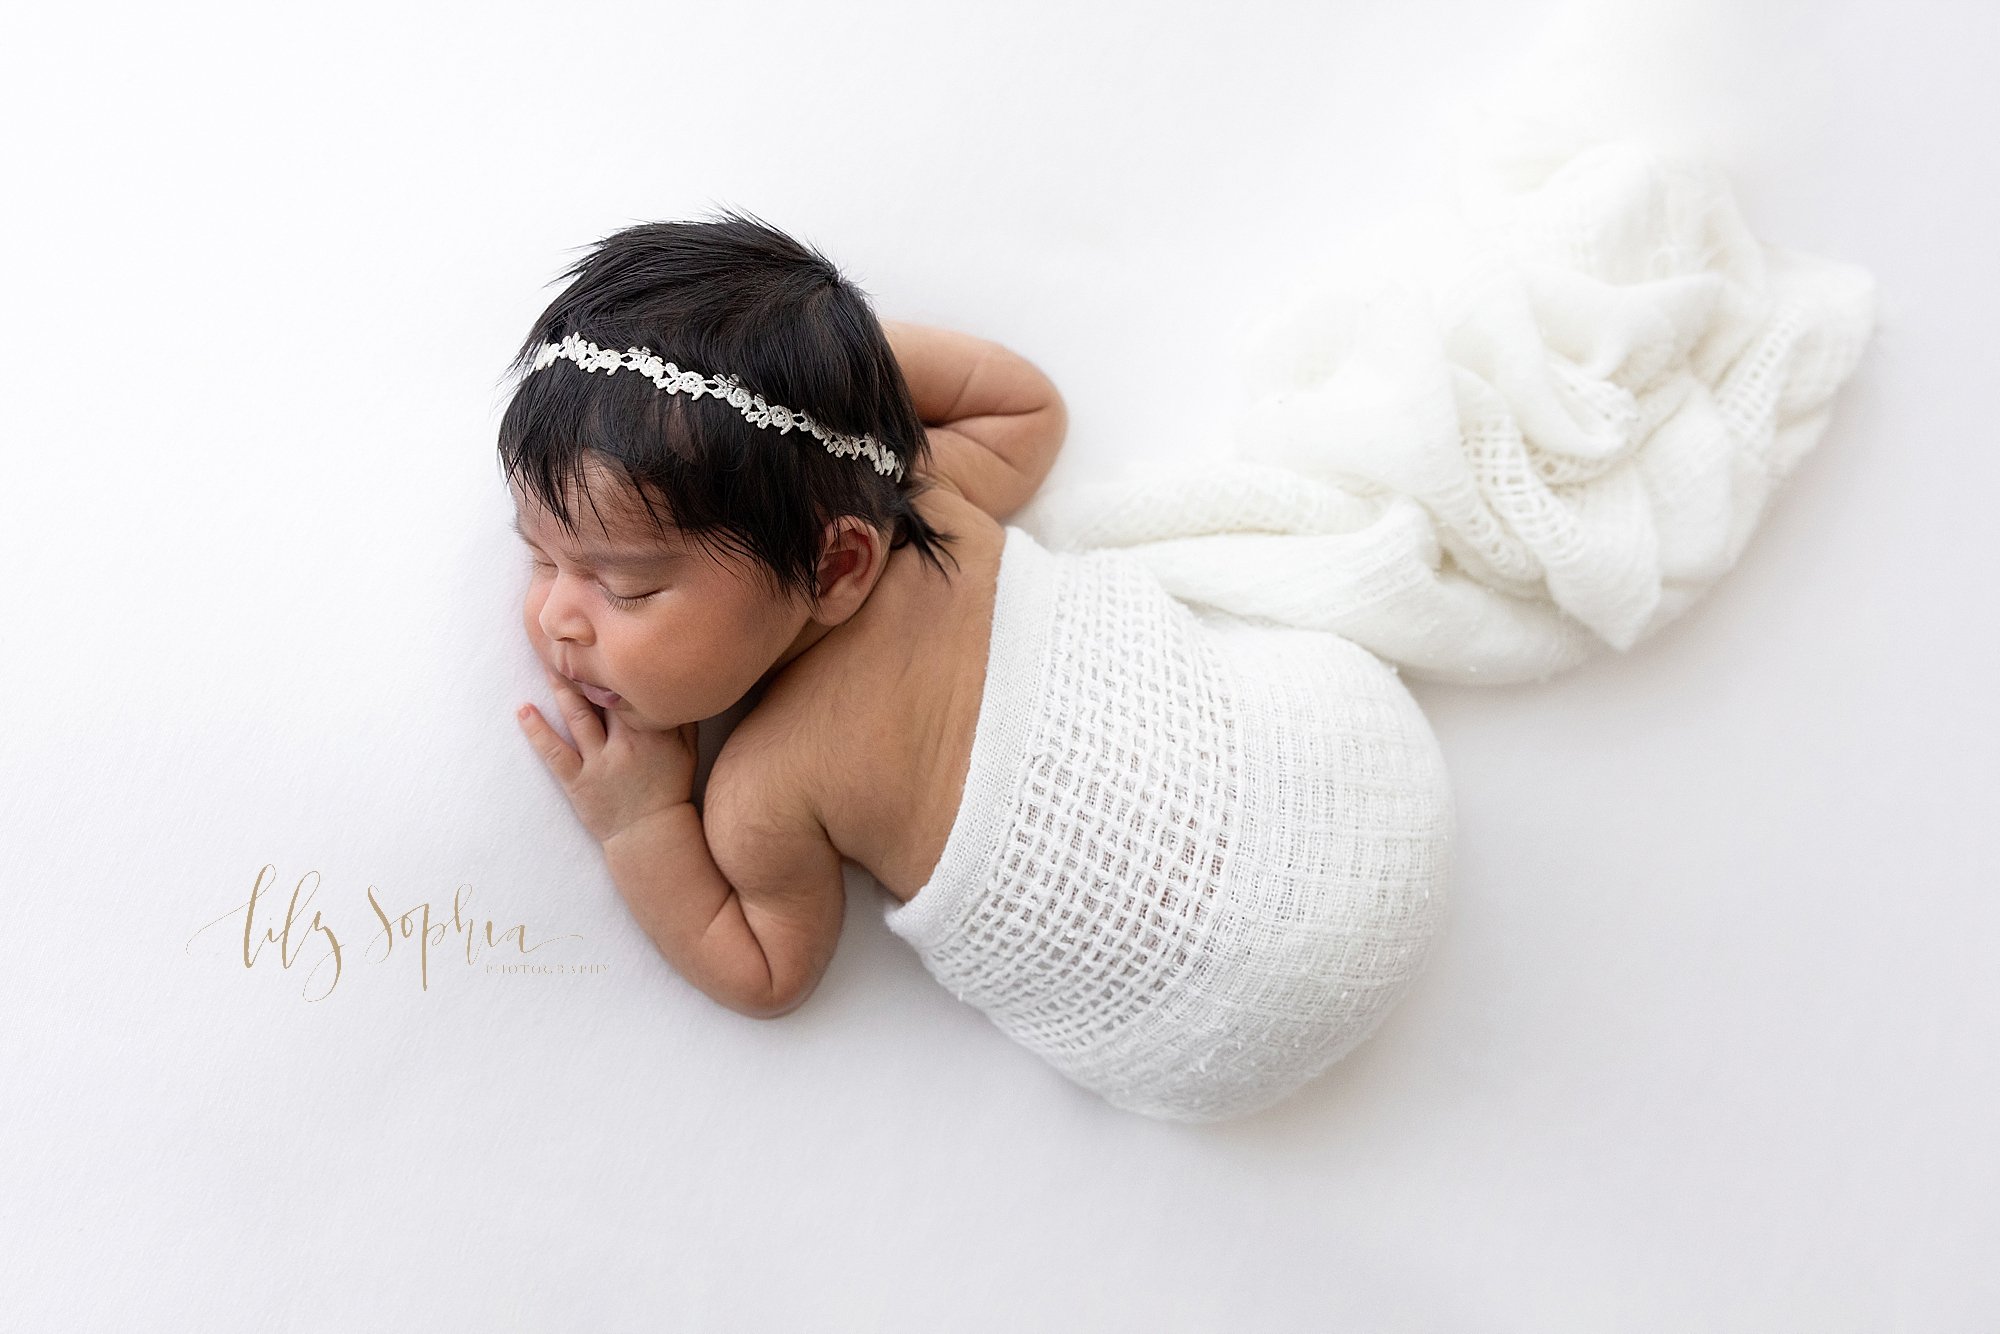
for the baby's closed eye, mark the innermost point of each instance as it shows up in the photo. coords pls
(611, 595)
(632, 600)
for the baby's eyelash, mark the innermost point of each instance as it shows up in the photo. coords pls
(536, 563)
(617, 601)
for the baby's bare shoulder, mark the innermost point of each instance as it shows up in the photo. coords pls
(783, 749)
(763, 751)
(759, 793)
(860, 729)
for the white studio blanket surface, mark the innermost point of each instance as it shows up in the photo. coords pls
(1537, 428)
(320, 1012)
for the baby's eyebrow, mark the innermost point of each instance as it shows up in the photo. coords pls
(599, 560)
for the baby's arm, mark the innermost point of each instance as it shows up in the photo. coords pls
(753, 922)
(996, 422)
(757, 939)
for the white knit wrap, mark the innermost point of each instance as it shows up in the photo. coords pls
(1195, 861)
(1203, 843)
(1542, 429)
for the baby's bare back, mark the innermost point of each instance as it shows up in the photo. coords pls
(876, 720)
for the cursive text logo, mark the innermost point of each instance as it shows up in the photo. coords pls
(420, 929)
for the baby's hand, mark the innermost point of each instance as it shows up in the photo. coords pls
(622, 777)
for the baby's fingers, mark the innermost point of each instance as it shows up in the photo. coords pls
(564, 762)
(581, 715)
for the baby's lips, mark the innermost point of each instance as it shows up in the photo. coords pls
(598, 695)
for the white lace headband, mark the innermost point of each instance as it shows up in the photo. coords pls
(674, 380)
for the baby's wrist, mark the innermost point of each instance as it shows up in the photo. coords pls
(655, 830)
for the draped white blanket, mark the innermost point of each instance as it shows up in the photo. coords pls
(1550, 430)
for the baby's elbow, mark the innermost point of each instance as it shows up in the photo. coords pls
(767, 1007)
(780, 1009)
(775, 1001)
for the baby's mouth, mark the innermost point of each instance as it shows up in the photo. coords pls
(602, 698)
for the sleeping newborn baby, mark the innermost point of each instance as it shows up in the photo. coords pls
(1145, 790)
(1186, 858)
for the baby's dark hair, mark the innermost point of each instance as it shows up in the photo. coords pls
(731, 295)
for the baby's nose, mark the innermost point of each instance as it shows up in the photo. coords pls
(561, 616)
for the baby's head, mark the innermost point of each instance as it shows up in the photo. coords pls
(682, 551)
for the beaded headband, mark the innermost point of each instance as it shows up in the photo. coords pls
(674, 380)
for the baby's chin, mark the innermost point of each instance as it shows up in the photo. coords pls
(639, 721)
(636, 721)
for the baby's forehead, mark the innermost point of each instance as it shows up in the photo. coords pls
(597, 518)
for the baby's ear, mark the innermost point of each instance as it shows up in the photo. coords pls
(846, 547)
(837, 533)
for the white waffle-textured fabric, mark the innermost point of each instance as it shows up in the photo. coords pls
(1514, 438)
(1196, 859)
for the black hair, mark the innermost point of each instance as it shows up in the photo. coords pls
(730, 295)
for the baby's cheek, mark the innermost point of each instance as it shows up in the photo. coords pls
(531, 616)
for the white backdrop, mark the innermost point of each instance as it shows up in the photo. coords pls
(1709, 1042)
